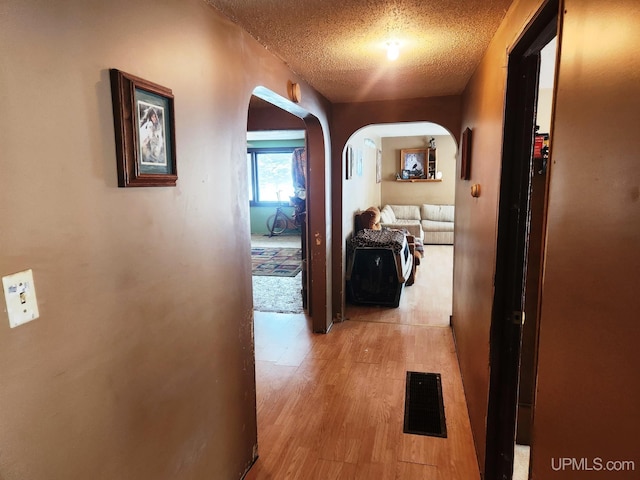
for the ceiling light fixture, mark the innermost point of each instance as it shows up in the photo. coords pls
(393, 50)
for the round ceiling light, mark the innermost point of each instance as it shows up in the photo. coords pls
(393, 50)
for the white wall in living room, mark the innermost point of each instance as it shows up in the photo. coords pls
(404, 193)
(361, 190)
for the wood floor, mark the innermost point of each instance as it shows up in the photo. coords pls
(427, 302)
(332, 406)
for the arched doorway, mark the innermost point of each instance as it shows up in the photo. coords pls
(282, 113)
(372, 160)
(275, 141)
(349, 118)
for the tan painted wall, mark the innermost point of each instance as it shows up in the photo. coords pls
(141, 364)
(402, 193)
(587, 381)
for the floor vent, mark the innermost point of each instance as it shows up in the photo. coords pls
(423, 407)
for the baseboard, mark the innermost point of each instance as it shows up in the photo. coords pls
(252, 463)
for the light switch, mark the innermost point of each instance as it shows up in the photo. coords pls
(20, 295)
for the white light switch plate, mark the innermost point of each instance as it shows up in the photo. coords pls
(20, 295)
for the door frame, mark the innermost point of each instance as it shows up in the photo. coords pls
(514, 215)
(318, 254)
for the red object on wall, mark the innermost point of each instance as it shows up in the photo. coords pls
(537, 146)
(540, 141)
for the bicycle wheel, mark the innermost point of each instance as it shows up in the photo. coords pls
(276, 224)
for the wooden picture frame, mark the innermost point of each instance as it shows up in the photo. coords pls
(465, 154)
(144, 122)
(415, 161)
(349, 160)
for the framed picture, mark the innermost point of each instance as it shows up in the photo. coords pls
(465, 155)
(405, 175)
(348, 162)
(414, 160)
(379, 166)
(144, 121)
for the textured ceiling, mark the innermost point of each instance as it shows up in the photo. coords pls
(338, 46)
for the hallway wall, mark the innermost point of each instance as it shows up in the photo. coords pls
(476, 218)
(587, 386)
(141, 364)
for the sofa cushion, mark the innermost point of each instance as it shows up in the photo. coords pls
(432, 226)
(438, 238)
(411, 226)
(406, 212)
(438, 213)
(387, 215)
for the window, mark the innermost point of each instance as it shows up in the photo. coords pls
(270, 175)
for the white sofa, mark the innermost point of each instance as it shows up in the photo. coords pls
(433, 224)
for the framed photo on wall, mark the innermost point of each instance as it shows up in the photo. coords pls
(414, 160)
(144, 121)
(465, 155)
(349, 160)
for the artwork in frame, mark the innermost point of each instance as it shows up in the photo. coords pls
(144, 121)
(348, 162)
(465, 155)
(414, 160)
(379, 166)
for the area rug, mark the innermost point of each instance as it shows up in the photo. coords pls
(276, 262)
(277, 294)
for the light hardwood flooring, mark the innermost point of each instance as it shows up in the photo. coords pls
(427, 302)
(332, 406)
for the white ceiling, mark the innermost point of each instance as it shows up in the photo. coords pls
(339, 46)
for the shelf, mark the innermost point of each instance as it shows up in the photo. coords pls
(412, 180)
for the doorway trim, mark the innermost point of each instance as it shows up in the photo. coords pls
(318, 253)
(513, 238)
(347, 119)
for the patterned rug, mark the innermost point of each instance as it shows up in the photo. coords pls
(276, 262)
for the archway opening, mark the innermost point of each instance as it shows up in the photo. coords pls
(376, 174)
(268, 111)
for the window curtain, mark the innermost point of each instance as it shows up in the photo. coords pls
(299, 172)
